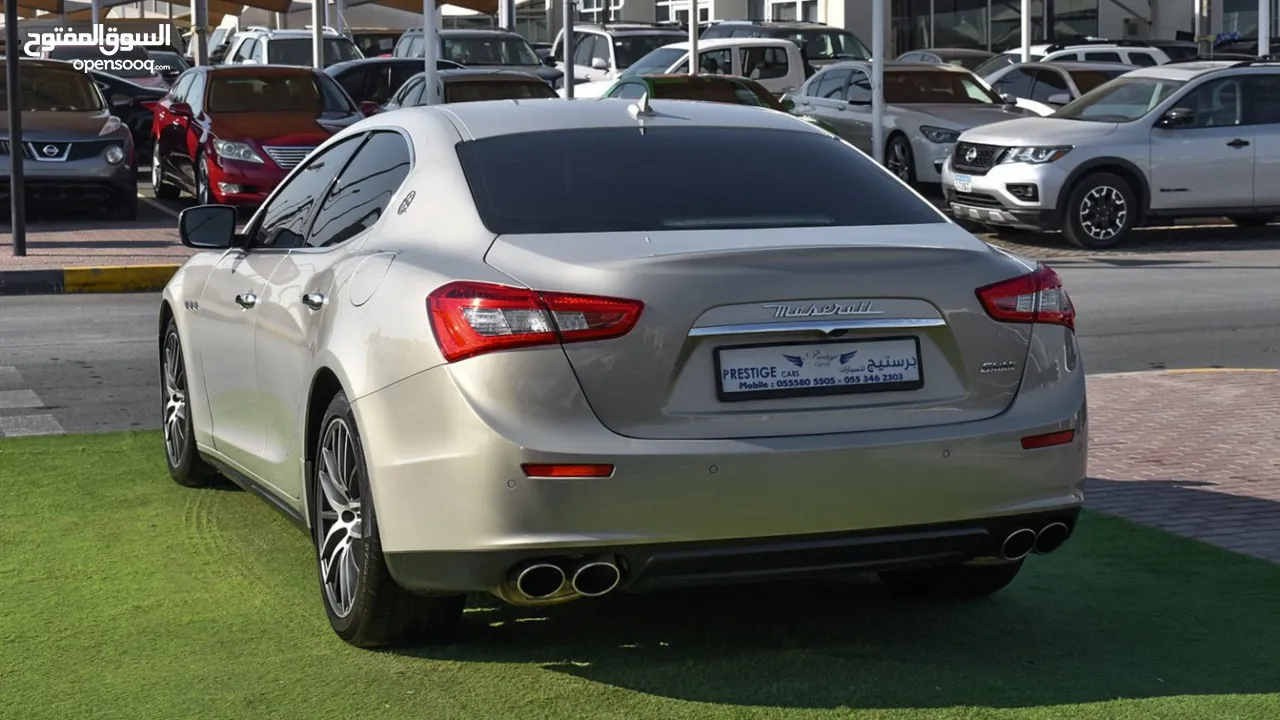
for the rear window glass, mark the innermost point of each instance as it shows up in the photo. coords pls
(707, 91)
(622, 180)
(474, 91)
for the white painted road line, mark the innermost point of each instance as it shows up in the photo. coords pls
(167, 211)
(19, 399)
(29, 425)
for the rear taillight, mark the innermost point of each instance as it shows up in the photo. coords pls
(471, 318)
(1038, 297)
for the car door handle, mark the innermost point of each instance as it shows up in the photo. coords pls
(246, 300)
(315, 301)
(1238, 143)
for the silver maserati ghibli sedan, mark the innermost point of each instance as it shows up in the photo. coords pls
(551, 350)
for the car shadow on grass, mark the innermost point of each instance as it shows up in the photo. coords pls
(1120, 612)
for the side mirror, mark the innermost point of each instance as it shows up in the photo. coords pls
(788, 104)
(1009, 98)
(118, 101)
(181, 109)
(599, 64)
(549, 60)
(1059, 99)
(208, 227)
(369, 107)
(1178, 118)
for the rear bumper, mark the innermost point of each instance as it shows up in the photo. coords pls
(667, 566)
(455, 509)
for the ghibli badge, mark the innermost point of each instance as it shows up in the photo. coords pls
(998, 367)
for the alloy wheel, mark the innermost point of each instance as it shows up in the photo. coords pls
(341, 517)
(897, 161)
(1103, 212)
(175, 400)
(204, 193)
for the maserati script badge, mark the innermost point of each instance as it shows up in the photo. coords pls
(998, 367)
(790, 311)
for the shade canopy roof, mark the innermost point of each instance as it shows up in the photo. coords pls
(488, 7)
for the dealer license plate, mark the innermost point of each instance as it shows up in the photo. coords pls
(757, 372)
(964, 183)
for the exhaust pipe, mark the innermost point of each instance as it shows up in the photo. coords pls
(1018, 544)
(1051, 537)
(596, 578)
(540, 581)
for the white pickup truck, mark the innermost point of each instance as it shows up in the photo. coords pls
(775, 63)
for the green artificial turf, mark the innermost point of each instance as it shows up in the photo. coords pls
(123, 595)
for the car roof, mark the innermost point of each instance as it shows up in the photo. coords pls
(898, 66)
(276, 69)
(1182, 71)
(784, 24)
(728, 42)
(484, 74)
(492, 118)
(1078, 65)
(953, 52)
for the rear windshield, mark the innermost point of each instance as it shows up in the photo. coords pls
(623, 180)
(46, 89)
(134, 63)
(710, 90)
(911, 87)
(1087, 80)
(297, 51)
(627, 49)
(476, 90)
(276, 92)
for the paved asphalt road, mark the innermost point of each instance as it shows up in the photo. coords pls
(87, 363)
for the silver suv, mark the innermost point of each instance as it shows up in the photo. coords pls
(1180, 140)
(263, 46)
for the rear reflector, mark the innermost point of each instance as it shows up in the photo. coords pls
(1036, 297)
(567, 471)
(472, 318)
(1048, 439)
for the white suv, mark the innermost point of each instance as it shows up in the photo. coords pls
(602, 52)
(264, 46)
(1125, 52)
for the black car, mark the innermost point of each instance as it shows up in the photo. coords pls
(168, 62)
(488, 48)
(132, 103)
(374, 80)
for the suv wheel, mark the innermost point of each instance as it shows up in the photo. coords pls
(1101, 210)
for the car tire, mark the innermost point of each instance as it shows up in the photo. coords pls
(1101, 211)
(204, 191)
(365, 605)
(900, 160)
(182, 458)
(1252, 221)
(162, 188)
(951, 582)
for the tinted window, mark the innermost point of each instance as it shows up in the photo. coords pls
(178, 92)
(830, 45)
(355, 81)
(489, 50)
(629, 90)
(1016, 82)
(297, 51)
(996, 63)
(860, 89)
(413, 93)
(284, 220)
(137, 62)
(476, 90)
(195, 95)
(1087, 80)
(764, 63)
(830, 84)
(1048, 83)
(630, 48)
(363, 191)
(1142, 59)
(581, 190)
(1218, 103)
(262, 92)
(1265, 90)
(933, 86)
(706, 90)
(657, 61)
(45, 88)
(1124, 100)
(1103, 57)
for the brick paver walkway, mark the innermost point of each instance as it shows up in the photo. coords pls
(1196, 453)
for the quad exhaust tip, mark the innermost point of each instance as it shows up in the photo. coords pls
(596, 578)
(1018, 544)
(540, 581)
(1051, 537)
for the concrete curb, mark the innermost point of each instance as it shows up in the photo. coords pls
(108, 279)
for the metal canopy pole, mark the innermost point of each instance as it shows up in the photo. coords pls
(431, 51)
(1026, 30)
(17, 196)
(566, 47)
(1264, 28)
(877, 80)
(200, 31)
(693, 37)
(96, 6)
(318, 8)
